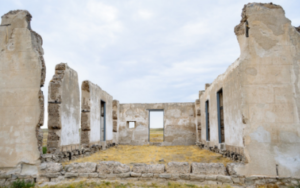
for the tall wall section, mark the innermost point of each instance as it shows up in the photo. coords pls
(261, 94)
(91, 114)
(63, 110)
(22, 73)
(179, 123)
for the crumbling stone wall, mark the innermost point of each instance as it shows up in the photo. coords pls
(261, 95)
(22, 73)
(116, 116)
(63, 110)
(198, 117)
(179, 123)
(91, 98)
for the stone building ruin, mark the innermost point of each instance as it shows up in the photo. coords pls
(250, 113)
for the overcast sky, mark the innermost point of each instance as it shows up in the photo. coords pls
(141, 51)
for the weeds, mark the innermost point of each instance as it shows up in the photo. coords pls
(44, 150)
(21, 184)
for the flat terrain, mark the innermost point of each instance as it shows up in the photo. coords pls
(45, 136)
(150, 154)
(156, 135)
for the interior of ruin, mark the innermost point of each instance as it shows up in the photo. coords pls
(244, 124)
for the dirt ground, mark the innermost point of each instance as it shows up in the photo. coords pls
(150, 154)
(156, 135)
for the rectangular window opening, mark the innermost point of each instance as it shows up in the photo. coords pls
(207, 120)
(221, 116)
(131, 124)
(156, 126)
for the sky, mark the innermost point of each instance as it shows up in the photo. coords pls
(156, 119)
(141, 51)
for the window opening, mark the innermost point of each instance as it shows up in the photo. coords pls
(220, 116)
(131, 124)
(207, 120)
(156, 126)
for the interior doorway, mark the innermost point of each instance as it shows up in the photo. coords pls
(103, 121)
(156, 125)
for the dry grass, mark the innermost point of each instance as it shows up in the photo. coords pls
(150, 154)
(45, 136)
(107, 184)
(156, 135)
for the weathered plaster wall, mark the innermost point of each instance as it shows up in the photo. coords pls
(116, 116)
(108, 99)
(63, 108)
(261, 94)
(91, 118)
(22, 73)
(179, 123)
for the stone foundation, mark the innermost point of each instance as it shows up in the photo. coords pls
(183, 172)
(235, 153)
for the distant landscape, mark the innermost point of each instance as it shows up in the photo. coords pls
(157, 135)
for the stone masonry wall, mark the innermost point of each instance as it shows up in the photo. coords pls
(183, 172)
(22, 73)
(63, 110)
(179, 123)
(91, 115)
(261, 96)
(116, 116)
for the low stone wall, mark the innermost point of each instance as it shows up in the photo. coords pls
(197, 173)
(233, 152)
(64, 156)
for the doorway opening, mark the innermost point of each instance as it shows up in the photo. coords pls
(103, 121)
(220, 116)
(207, 121)
(156, 125)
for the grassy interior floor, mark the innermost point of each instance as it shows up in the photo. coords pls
(150, 154)
(156, 135)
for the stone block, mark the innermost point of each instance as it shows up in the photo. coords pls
(5, 176)
(194, 177)
(184, 176)
(83, 175)
(231, 168)
(178, 168)
(208, 168)
(102, 176)
(174, 177)
(165, 176)
(71, 175)
(211, 178)
(250, 180)
(123, 175)
(140, 168)
(224, 179)
(156, 168)
(51, 167)
(81, 167)
(50, 175)
(133, 174)
(112, 167)
(93, 175)
(148, 175)
(121, 168)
